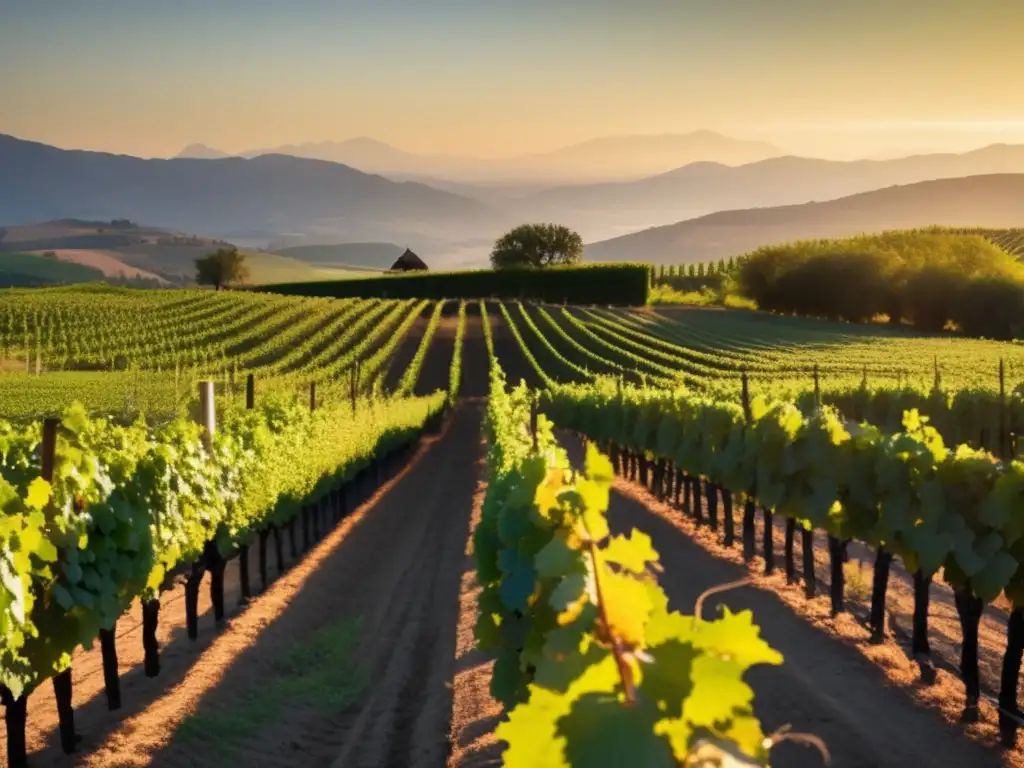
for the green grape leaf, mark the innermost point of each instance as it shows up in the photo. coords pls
(600, 731)
(735, 637)
(718, 690)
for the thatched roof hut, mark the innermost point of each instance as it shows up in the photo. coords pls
(408, 262)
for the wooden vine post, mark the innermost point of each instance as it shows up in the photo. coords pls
(62, 688)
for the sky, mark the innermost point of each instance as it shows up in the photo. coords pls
(494, 78)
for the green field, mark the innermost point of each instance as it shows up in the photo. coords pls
(121, 350)
(28, 269)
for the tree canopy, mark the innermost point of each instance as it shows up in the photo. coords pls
(222, 268)
(537, 245)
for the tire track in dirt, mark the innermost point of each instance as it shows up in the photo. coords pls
(396, 564)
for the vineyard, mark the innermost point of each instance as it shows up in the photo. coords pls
(271, 521)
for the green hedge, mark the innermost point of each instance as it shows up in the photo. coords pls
(623, 284)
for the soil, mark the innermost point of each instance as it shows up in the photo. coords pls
(404, 354)
(517, 368)
(436, 371)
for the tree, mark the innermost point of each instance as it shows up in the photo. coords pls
(537, 245)
(3, 234)
(222, 268)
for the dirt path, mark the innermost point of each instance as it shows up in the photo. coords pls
(405, 352)
(436, 371)
(475, 365)
(824, 687)
(345, 661)
(517, 368)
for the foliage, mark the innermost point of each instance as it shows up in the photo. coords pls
(936, 507)
(222, 268)
(592, 666)
(926, 277)
(129, 504)
(455, 371)
(537, 245)
(609, 284)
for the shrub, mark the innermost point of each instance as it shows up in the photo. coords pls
(622, 284)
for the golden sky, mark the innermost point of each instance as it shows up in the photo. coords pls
(489, 78)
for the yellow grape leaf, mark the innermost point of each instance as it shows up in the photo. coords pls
(39, 493)
(598, 466)
(736, 638)
(156, 577)
(627, 606)
(633, 553)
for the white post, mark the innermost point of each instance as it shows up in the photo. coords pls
(207, 414)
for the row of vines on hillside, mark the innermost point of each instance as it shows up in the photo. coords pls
(96, 515)
(905, 494)
(592, 667)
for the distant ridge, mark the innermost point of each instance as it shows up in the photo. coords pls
(995, 200)
(201, 152)
(705, 187)
(609, 157)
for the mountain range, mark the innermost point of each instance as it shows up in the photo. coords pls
(614, 157)
(602, 210)
(234, 198)
(720, 210)
(995, 200)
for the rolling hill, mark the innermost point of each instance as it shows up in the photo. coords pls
(233, 198)
(371, 256)
(976, 201)
(603, 158)
(601, 211)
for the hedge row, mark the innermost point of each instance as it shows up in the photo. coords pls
(622, 284)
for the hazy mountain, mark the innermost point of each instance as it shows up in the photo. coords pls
(367, 255)
(601, 210)
(986, 201)
(605, 158)
(201, 152)
(235, 198)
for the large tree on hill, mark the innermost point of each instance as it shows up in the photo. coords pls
(537, 245)
(222, 268)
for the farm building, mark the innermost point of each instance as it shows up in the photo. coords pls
(408, 262)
